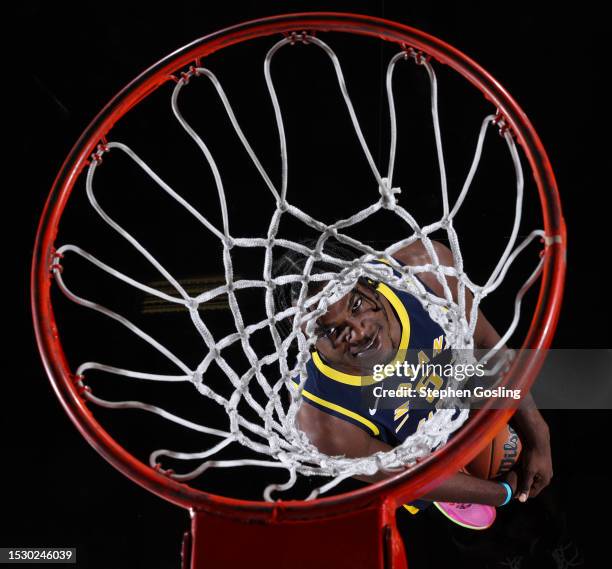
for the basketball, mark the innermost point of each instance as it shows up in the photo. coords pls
(499, 456)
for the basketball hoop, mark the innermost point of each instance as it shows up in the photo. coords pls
(360, 524)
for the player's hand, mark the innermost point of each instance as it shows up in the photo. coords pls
(534, 468)
(511, 478)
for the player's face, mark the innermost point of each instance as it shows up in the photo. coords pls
(356, 332)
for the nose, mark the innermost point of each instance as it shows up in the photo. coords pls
(357, 331)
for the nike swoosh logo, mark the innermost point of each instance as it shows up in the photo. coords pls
(373, 411)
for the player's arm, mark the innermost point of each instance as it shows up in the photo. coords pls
(536, 462)
(485, 336)
(334, 436)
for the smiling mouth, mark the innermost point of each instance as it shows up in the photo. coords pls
(372, 346)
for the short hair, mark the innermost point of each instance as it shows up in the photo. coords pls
(294, 262)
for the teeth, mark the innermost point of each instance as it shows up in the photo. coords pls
(367, 347)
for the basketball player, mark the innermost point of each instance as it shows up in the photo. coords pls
(372, 325)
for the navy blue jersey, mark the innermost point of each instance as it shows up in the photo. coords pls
(354, 398)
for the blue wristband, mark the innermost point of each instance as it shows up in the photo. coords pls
(508, 493)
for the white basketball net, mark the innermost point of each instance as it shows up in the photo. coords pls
(285, 445)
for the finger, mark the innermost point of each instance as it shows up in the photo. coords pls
(537, 486)
(524, 485)
(539, 483)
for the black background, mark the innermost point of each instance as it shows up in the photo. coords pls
(57, 491)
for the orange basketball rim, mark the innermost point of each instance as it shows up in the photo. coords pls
(354, 529)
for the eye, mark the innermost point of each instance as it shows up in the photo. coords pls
(357, 303)
(322, 332)
(330, 332)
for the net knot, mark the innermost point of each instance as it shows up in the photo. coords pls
(388, 194)
(79, 383)
(302, 37)
(101, 149)
(56, 262)
(501, 121)
(282, 206)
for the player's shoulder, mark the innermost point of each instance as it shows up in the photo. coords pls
(417, 254)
